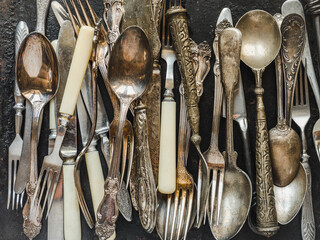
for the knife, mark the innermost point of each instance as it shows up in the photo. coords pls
(68, 151)
(102, 126)
(239, 111)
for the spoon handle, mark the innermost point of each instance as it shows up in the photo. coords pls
(42, 9)
(293, 39)
(230, 42)
(267, 224)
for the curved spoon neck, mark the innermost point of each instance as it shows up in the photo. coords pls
(258, 76)
(115, 163)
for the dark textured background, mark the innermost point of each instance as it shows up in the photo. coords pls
(202, 17)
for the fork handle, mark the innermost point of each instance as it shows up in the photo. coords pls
(71, 213)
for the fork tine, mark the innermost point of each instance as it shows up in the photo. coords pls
(301, 86)
(44, 183)
(296, 94)
(52, 193)
(21, 199)
(130, 158)
(38, 185)
(213, 194)
(93, 14)
(88, 20)
(189, 210)
(80, 20)
(199, 191)
(175, 209)
(306, 84)
(220, 192)
(9, 182)
(49, 182)
(167, 216)
(182, 209)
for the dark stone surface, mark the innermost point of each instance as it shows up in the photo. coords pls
(202, 16)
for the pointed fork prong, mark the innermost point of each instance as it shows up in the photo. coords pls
(80, 20)
(124, 157)
(21, 199)
(93, 14)
(14, 195)
(169, 197)
(36, 192)
(213, 194)
(9, 183)
(189, 210)
(86, 17)
(49, 182)
(52, 193)
(182, 210)
(306, 84)
(175, 209)
(219, 197)
(130, 158)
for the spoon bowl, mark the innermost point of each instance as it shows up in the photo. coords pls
(290, 198)
(261, 39)
(37, 68)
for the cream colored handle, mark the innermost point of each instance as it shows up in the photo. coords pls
(167, 158)
(80, 59)
(71, 210)
(52, 115)
(96, 179)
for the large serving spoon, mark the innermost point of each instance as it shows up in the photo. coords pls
(130, 70)
(237, 191)
(37, 74)
(285, 143)
(261, 41)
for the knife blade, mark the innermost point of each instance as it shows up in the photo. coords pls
(123, 197)
(239, 110)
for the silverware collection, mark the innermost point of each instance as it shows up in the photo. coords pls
(145, 170)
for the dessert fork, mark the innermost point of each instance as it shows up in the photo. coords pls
(301, 116)
(16, 146)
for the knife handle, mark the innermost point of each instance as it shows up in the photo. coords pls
(78, 67)
(71, 212)
(96, 179)
(167, 157)
(177, 19)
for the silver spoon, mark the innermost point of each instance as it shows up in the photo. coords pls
(37, 74)
(237, 191)
(130, 70)
(261, 41)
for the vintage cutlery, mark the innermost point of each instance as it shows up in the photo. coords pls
(24, 163)
(178, 27)
(235, 203)
(289, 198)
(167, 157)
(130, 69)
(260, 29)
(174, 217)
(301, 116)
(285, 143)
(239, 111)
(213, 156)
(15, 147)
(294, 6)
(55, 218)
(145, 183)
(37, 74)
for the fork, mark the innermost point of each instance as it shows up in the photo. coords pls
(16, 146)
(301, 116)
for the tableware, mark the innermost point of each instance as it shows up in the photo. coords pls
(15, 147)
(285, 143)
(37, 74)
(24, 163)
(237, 191)
(145, 183)
(129, 74)
(260, 29)
(179, 31)
(167, 157)
(301, 116)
